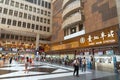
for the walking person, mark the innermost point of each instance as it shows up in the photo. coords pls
(30, 61)
(10, 60)
(80, 60)
(26, 64)
(76, 67)
(83, 64)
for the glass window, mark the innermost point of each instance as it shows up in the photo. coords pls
(44, 20)
(21, 6)
(45, 12)
(37, 19)
(33, 26)
(80, 27)
(20, 14)
(2, 35)
(38, 10)
(49, 5)
(29, 16)
(3, 21)
(12, 3)
(16, 37)
(7, 2)
(28, 25)
(9, 21)
(35, 1)
(73, 30)
(41, 19)
(25, 15)
(14, 22)
(48, 29)
(41, 11)
(17, 5)
(49, 13)
(43, 3)
(12, 36)
(15, 13)
(34, 9)
(48, 21)
(24, 38)
(26, 7)
(44, 28)
(36, 27)
(30, 8)
(41, 28)
(10, 12)
(33, 18)
(7, 36)
(24, 24)
(5, 11)
(21, 37)
(0, 9)
(39, 2)
(1, 1)
(19, 23)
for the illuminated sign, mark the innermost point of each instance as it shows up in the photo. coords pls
(105, 36)
(101, 37)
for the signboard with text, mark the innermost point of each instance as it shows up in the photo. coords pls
(106, 36)
(101, 37)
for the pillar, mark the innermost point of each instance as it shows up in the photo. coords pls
(37, 41)
(77, 28)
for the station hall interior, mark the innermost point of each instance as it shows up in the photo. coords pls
(59, 39)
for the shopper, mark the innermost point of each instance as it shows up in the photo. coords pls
(10, 60)
(26, 64)
(76, 67)
(83, 64)
(30, 61)
(80, 60)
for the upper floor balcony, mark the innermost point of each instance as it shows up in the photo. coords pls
(71, 7)
(75, 18)
(65, 2)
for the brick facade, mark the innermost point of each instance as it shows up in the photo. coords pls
(99, 14)
(58, 33)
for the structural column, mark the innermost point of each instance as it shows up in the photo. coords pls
(37, 41)
(77, 28)
(0, 32)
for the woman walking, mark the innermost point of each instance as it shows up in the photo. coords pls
(26, 64)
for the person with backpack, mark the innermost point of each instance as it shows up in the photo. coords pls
(76, 67)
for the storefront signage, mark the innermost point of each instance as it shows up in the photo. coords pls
(105, 36)
(66, 46)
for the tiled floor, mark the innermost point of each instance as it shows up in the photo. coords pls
(45, 71)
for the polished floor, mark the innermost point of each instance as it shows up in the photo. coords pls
(46, 71)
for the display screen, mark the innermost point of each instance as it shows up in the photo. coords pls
(109, 52)
(86, 53)
(14, 49)
(100, 53)
(1, 49)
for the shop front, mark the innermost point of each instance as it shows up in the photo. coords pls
(103, 46)
(98, 47)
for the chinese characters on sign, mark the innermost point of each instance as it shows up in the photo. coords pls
(101, 37)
